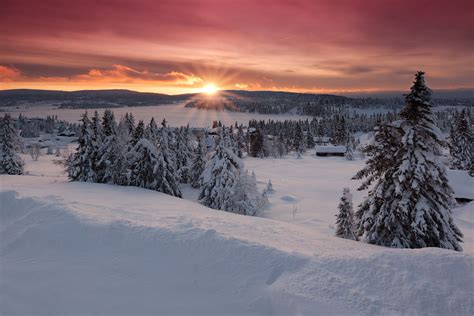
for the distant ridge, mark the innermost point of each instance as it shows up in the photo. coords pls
(121, 97)
(235, 100)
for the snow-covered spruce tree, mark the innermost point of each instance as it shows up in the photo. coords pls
(138, 133)
(97, 140)
(299, 141)
(345, 227)
(143, 159)
(409, 205)
(247, 200)
(240, 137)
(10, 162)
(225, 186)
(165, 172)
(349, 154)
(310, 140)
(269, 188)
(198, 165)
(183, 154)
(111, 166)
(340, 133)
(151, 131)
(80, 164)
(129, 123)
(461, 143)
(256, 140)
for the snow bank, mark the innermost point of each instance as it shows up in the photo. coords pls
(80, 248)
(55, 263)
(462, 184)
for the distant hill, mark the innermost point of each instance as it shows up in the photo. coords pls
(86, 98)
(270, 102)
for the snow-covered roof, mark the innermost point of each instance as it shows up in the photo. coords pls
(330, 149)
(323, 138)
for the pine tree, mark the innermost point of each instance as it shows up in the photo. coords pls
(111, 167)
(165, 172)
(138, 133)
(340, 134)
(143, 159)
(240, 140)
(300, 144)
(80, 165)
(269, 188)
(349, 154)
(225, 186)
(345, 217)
(409, 205)
(198, 165)
(97, 140)
(183, 154)
(256, 144)
(151, 131)
(129, 121)
(461, 143)
(310, 140)
(10, 162)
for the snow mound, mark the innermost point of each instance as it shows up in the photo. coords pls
(289, 198)
(60, 256)
(56, 263)
(462, 184)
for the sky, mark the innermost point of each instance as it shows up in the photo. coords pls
(181, 46)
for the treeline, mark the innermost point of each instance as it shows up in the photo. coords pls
(160, 158)
(32, 127)
(320, 105)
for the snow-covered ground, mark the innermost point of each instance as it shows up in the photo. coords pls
(175, 114)
(81, 248)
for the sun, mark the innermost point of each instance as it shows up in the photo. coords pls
(210, 89)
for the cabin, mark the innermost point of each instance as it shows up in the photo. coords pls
(322, 140)
(330, 151)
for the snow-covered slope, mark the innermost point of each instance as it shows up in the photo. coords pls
(81, 248)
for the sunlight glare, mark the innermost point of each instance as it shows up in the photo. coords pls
(210, 89)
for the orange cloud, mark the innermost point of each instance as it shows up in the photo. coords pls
(118, 74)
(9, 74)
(124, 74)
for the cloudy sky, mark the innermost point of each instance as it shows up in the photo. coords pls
(182, 45)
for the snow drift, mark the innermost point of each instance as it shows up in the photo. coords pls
(100, 249)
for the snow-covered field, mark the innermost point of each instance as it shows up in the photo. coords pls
(81, 248)
(175, 114)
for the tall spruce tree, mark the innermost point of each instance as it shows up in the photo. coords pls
(111, 167)
(198, 165)
(80, 165)
(165, 172)
(340, 133)
(299, 140)
(409, 204)
(345, 227)
(461, 143)
(10, 162)
(97, 140)
(183, 154)
(256, 140)
(143, 159)
(138, 133)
